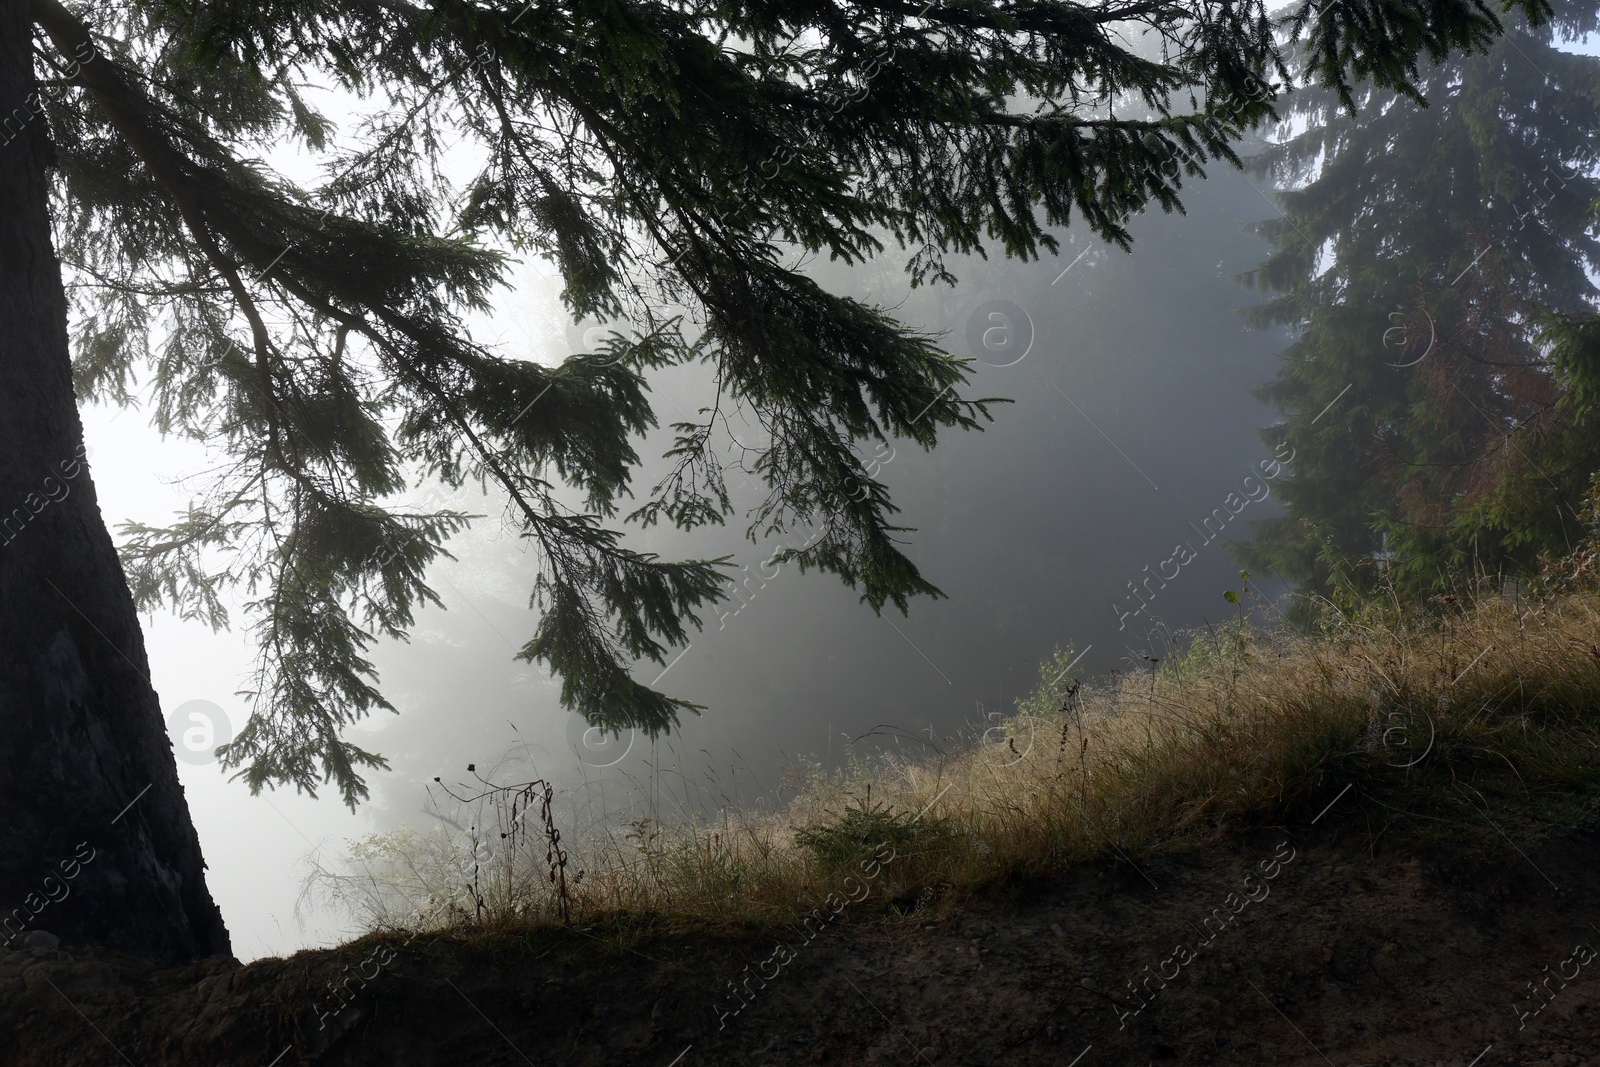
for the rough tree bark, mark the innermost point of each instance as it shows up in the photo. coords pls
(96, 843)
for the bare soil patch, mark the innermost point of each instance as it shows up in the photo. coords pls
(1347, 954)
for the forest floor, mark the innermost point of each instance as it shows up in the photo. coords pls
(1316, 946)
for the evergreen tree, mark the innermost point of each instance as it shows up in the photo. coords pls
(1434, 432)
(667, 155)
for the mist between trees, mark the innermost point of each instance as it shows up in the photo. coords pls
(1186, 553)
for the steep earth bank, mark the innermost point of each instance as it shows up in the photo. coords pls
(1274, 949)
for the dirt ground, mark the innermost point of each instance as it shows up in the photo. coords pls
(1273, 949)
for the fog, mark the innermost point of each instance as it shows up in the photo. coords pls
(1132, 426)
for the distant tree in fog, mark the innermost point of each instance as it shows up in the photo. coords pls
(1437, 430)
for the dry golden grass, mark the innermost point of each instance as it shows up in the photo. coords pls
(1462, 724)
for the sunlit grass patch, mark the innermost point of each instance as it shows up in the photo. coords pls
(1466, 726)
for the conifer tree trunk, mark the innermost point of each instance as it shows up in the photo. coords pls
(96, 844)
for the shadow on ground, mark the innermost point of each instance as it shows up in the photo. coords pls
(1273, 949)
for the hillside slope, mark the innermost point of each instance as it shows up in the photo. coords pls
(1375, 844)
(1346, 955)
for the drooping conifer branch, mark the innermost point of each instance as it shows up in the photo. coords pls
(669, 158)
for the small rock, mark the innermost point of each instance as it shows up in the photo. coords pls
(1055, 928)
(41, 943)
(1227, 968)
(1087, 983)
